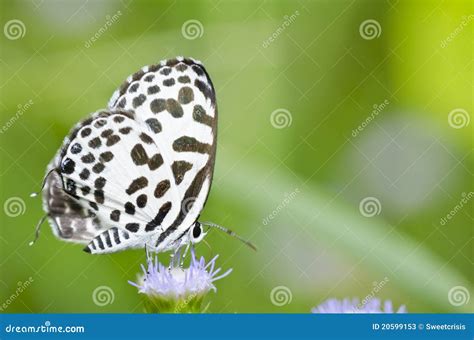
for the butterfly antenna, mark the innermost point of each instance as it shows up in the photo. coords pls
(38, 228)
(34, 194)
(231, 233)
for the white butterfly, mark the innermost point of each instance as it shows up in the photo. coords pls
(138, 174)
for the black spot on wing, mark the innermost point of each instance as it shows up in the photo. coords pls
(165, 208)
(125, 130)
(154, 125)
(106, 133)
(146, 138)
(162, 188)
(95, 143)
(133, 227)
(98, 168)
(205, 90)
(99, 183)
(99, 196)
(190, 144)
(89, 158)
(142, 200)
(76, 148)
(86, 132)
(157, 105)
(181, 67)
(68, 166)
(138, 154)
(112, 140)
(137, 101)
(155, 162)
(137, 184)
(153, 89)
(134, 87)
(119, 119)
(174, 108)
(149, 78)
(185, 95)
(115, 215)
(172, 62)
(165, 71)
(100, 123)
(106, 156)
(200, 115)
(122, 103)
(168, 82)
(184, 79)
(198, 69)
(179, 169)
(85, 190)
(129, 208)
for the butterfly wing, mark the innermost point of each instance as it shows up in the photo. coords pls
(69, 220)
(175, 102)
(140, 172)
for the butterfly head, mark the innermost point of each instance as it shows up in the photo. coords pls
(196, 232)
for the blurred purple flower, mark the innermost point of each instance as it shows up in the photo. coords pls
(346, 305)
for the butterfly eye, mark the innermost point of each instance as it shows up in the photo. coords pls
(197, 231)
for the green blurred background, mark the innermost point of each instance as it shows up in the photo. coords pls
(321, 76)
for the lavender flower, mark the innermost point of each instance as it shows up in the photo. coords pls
(354, 306)
(178, 290)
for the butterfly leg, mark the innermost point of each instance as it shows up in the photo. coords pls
(175, 257)
(184, 254)
(147, 253)
(38, 229)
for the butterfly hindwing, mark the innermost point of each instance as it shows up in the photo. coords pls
(114, 168)
(70, 221)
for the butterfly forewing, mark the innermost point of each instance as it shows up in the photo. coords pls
(175, 100)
